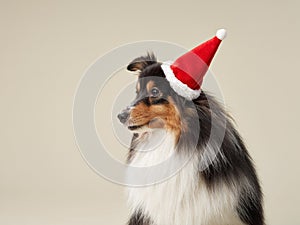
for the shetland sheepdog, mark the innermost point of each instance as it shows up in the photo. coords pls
(225, 192)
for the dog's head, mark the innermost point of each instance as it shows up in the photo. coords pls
(156, 105)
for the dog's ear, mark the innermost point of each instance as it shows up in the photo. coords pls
(140, 63)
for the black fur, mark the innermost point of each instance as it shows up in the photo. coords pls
(142, 62)
(234, 166)
(139, 219)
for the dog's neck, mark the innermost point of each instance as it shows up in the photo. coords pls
(153, 148)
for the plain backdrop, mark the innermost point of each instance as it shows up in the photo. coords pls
(45, 46)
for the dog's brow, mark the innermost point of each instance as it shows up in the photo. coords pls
(150, 85)
(138, 86)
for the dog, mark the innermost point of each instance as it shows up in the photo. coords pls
(225, 191)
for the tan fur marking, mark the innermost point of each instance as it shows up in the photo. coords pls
(150, 85)
(138, 87)
(173, 119)
(166, 116)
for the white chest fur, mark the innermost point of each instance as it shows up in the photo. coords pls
(183, 199)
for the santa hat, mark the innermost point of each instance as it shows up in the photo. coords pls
(186, 73)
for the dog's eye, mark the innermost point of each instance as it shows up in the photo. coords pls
(154, 92)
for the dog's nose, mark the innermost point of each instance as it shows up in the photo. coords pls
(123, 116)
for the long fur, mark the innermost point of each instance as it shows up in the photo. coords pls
(219, 190)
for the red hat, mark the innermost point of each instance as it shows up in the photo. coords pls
(186, 73)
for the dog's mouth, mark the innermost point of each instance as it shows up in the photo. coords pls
(152, 124)
(136, 127)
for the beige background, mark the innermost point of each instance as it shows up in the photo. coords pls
(46, 46)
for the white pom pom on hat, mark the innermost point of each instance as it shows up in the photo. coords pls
(221, 34)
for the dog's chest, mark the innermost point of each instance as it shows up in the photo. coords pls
(183, 199)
